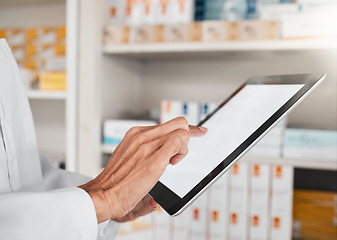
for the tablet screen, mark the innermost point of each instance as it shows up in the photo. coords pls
(227, 129)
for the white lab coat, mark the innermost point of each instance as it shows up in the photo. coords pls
(30, 205)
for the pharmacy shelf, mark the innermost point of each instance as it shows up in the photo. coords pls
(47, 95)
(171, 48)
(297, 163)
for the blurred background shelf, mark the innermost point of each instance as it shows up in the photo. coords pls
(47, 95)
(297, 163)
(275, 45)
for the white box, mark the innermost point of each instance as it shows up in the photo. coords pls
(163, 13)
(277, 11)
(181, 226)
(281, 202)
(182, 11)
(309, 144)
(309, 25)
(116, 12)
(238, 223)
(114, 130)
(133, 12)
(199, 218)
(205, 109)
(162, 225)
(214, 31)
(140, 229)
(218, 209)
(259, 201)
(148, 10)
(173, 109)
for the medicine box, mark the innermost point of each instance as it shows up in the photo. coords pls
(162, 225)
(238, 208)
(144, 34)
(259, 201)
(281, 202)
(164, 12)
(114, 130)
(178, 33)
(172, 109)
(219, 209)
(233, 31)
(310, 144)
(214, 31)
(14, 36)
(181, 226)
(41, 35)
(140, 229)
(182, 11)
(199, 213)
(52, 81)
(116, 12)
(114, 34)
(251, 30)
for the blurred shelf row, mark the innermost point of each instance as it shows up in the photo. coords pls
(145, 50)
(297, 163)
(46, 95)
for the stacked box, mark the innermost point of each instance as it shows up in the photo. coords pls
(281, 202)
(181, 226)
(199, 218)
(173, 109)
(314, 214)
(45, 48)
(259, 201)
(238, 210)
(16, 39)
(218, 209)
(162, 225)
(114, 130)
(205, 109)
(115, 34)
(310, 144)
(140, 229)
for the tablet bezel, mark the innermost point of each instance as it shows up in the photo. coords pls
(173, 204)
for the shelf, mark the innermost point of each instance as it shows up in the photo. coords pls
(47, 95)
(26, 2)
(172, 48)
(297, 163)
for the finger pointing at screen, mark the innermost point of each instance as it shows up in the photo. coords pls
(135, 167)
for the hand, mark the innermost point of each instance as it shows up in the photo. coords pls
(135, 167)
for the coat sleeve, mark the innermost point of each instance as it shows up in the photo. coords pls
(63, 211)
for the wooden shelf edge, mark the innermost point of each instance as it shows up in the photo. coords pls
(297, 163)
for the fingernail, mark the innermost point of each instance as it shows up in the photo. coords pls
(203, 129)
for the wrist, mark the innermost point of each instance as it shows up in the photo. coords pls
(98, 199)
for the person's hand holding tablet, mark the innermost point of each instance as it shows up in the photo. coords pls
(119, 192)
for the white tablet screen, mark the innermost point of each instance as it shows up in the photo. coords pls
(227, 129)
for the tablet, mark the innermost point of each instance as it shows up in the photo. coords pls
(234, 127)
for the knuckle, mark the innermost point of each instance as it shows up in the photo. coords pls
(132, 131)
(139, 138)
(183, 120)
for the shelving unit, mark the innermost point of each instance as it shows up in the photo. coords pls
(119, 81)
(54, 112)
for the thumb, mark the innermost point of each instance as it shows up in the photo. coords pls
(197, 131)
